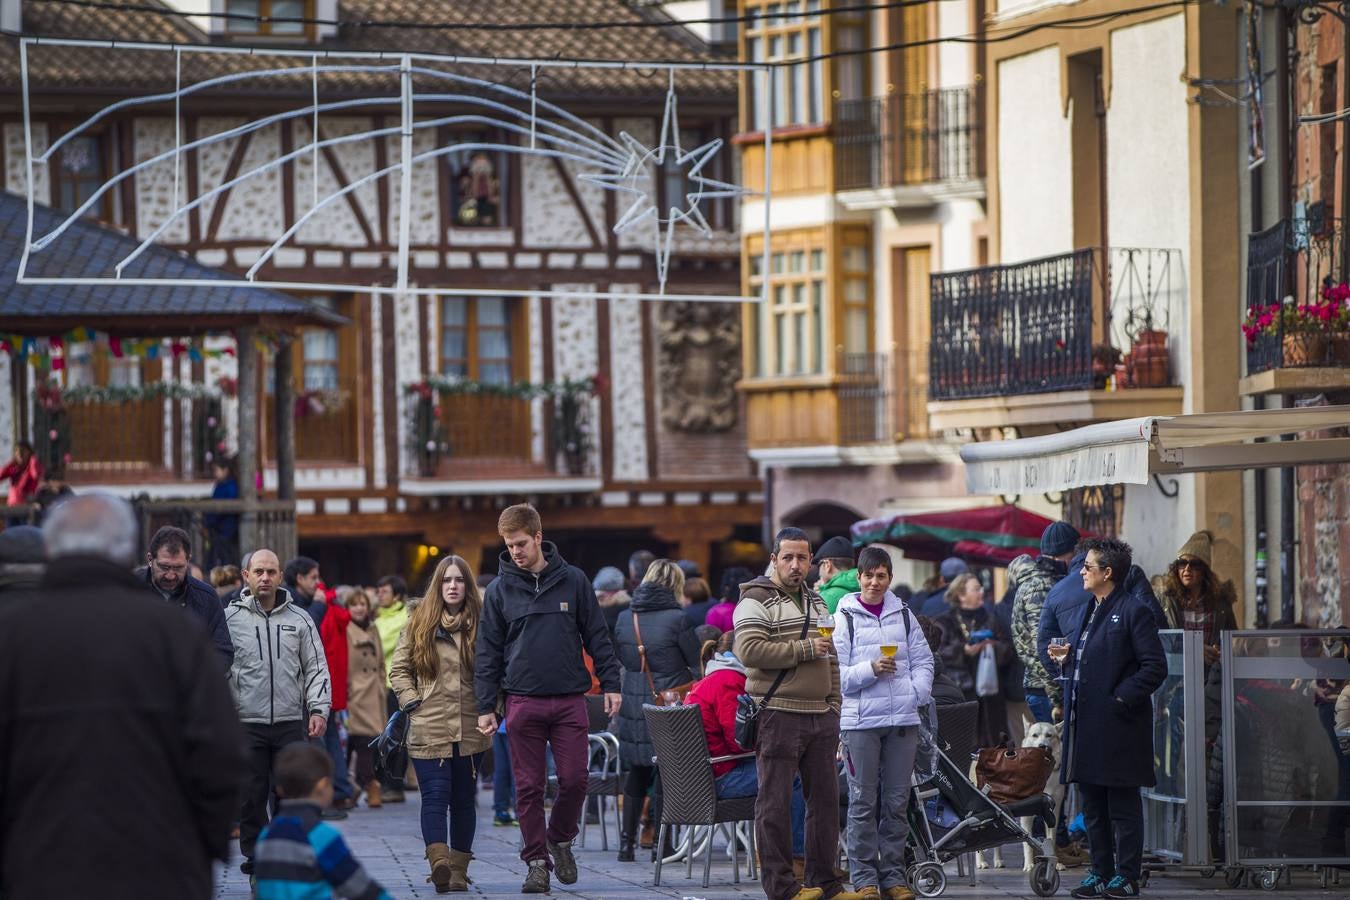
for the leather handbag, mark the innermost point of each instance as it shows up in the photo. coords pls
(658, 697)
(747, 710)
(1008, 774)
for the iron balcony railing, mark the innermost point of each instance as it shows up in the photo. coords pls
(1088, 319)
(1295, 315)
(908, 139)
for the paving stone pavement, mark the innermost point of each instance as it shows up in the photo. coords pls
(388, 842)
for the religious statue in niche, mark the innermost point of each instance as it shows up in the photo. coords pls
(699, 361)
(479, 192)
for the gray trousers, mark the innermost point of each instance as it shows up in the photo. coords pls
(880, 767)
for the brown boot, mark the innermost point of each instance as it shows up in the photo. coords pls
(373, 795)
(438, 855)
(459, 871)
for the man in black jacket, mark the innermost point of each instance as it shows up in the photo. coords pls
(107, 685)
(166, 571)
(537, 617)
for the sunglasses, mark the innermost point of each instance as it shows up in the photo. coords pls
(1195, 564)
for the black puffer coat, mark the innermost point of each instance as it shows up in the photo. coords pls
(672, 659)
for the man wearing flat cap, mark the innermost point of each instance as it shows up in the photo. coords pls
(838, 575)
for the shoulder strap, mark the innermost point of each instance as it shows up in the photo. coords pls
(782, 673)
(642, 654)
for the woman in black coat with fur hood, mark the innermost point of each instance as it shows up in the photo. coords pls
(672, 657)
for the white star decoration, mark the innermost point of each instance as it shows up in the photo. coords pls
(636, 178)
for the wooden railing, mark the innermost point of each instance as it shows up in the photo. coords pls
(486, 427)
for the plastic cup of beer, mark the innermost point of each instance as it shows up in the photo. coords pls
(888, 650)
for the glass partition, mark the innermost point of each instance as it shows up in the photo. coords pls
(1286, 777)
(1175, 819)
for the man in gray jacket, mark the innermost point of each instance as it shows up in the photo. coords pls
(279, 679)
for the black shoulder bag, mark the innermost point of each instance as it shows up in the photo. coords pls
(747, 710)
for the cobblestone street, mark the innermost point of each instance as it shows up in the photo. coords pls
(389, 844)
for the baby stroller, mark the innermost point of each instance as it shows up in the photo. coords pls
(973, 822)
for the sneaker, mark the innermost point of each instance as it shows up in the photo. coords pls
(1091, 886)
(564, 863)
(536, 879)
(246, 867)
(1120, 886)
(504, 820)
(333, 812)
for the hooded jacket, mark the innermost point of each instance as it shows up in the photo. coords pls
(535, 625)
(832, 591)
(389, 622)
(872, 701)
(280, 673)
(672, 659)
(1032, 589)
(769, 639)
(202, 601)
(715, 696)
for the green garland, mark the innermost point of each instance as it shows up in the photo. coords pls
(519, 390)
(157, 390)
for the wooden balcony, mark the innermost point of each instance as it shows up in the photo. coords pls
(121, 442)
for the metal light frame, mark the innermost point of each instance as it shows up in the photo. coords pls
(623, 165)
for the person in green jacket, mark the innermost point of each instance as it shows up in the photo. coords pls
(838, 575)
(391, 592)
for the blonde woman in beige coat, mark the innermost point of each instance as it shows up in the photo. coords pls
(365, 691)
(432, 674)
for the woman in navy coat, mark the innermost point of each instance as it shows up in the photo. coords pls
(1115, 664)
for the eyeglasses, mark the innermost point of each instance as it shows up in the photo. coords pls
(168, 570)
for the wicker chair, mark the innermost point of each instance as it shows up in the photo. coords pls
(689, 791)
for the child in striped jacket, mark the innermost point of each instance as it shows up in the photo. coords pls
(300, 857)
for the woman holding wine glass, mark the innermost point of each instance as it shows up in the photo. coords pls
(885, 678)
(1108, 748)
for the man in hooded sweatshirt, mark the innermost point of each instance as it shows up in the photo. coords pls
(537, 617)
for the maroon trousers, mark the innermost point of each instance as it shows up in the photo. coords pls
(533, 723)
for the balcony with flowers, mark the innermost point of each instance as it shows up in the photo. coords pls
(1296, 325)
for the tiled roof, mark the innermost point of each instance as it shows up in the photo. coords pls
(90, 249)
(56, 68)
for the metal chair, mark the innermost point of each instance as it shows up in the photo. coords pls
(690, 792)
(607, 781)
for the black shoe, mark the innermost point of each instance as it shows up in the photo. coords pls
(334, 813)
(564, 863)
(1120, 886)
(246, 866)
(626, 853)
(1091, 886)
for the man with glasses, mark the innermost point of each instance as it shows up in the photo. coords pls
(167, 572)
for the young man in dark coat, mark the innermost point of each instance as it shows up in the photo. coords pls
(107, 685)
(1115, 663)
(538, 616)
(166, 570)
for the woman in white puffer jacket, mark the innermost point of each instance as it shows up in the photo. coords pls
(882, 696)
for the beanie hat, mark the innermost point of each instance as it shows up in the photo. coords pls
(1058, 538)
(1200, 546)
(608, 579)
(951, 567)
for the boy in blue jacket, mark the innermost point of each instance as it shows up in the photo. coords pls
(299, 856)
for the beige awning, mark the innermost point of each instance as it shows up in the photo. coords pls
(1130, 451)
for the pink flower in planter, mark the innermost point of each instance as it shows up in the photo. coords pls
(52, 434)
(65, 457)
(210, 421)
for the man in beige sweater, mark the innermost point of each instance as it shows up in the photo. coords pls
(799, 726)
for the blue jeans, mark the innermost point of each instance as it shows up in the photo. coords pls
(503, 784)
(1040, 706)
(743, 781)
(448, 785)
(332, 742)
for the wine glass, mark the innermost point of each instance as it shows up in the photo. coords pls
(1059, 652)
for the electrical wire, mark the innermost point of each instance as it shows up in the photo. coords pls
(1086, 21)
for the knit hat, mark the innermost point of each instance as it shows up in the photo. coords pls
(834, 548)
(951, 567)
(689, 568)
(22, 544)
(608, 579)
(1058, 538)
(1200, 546)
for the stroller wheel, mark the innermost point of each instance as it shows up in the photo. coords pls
(928, 879)
(1044, 878)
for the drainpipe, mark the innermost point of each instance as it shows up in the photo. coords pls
(768, 507)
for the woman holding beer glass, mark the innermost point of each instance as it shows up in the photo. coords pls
(886, 677)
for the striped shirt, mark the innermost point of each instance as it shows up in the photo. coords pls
(301, 857)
